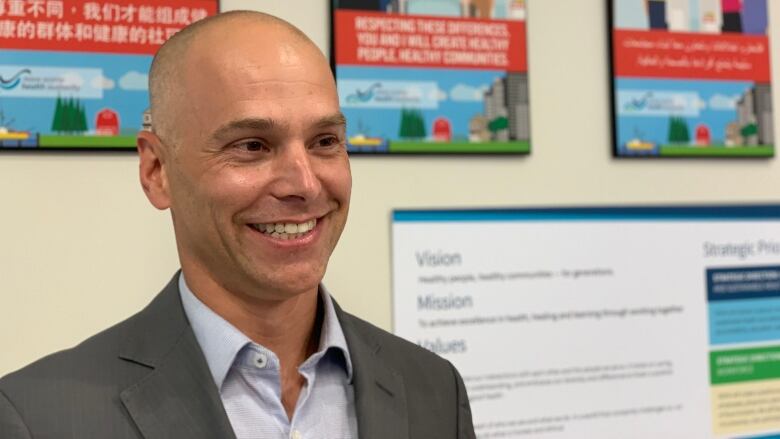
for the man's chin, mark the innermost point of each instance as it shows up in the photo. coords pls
(285, 288)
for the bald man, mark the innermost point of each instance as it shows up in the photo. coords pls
(247, 150)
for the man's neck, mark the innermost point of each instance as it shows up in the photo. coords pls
(289, 328)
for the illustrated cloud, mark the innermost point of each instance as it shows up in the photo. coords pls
(102, 82)
(134, 80)
(467, 93)
(438, 95)
(723, 102)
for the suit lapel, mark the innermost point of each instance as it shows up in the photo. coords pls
(380, 393)
(178, 398)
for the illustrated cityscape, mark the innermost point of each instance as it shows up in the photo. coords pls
(505, 100)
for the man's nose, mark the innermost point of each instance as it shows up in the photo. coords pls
(296, 176)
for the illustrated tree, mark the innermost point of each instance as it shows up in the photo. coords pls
(82, 118)
(678, 130)
(56, 123)
(749, 130)
(69, 116)
(498, 124)
(412, 124)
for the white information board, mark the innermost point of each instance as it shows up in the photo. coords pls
(637, 322)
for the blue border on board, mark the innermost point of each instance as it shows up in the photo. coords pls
(741, 212)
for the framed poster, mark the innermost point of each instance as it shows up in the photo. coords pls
(432, 77)
(74, 73)
(599, 322)
(691, 78)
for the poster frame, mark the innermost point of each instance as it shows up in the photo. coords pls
(359, 153)
(613, 122)
(101, 150)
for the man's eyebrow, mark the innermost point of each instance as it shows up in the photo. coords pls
(265, 124)
(329, 121)
(250, 123)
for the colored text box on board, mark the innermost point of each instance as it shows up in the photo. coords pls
(743, 365)
(365, 38)
(661, 54)
(128, 26)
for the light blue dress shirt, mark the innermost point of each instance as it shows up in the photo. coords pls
(247, 376)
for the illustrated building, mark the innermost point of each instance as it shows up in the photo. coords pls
(442, 129)
(107, 122)
(703, 135)
(146, 120)
(508, 97)
(733, 137)
(496, 106)
(478, 129)
(755, 107)
(517, 104)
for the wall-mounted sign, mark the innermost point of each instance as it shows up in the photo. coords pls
(691, 78)
(74, 73)
(420, 76)
(625, 322)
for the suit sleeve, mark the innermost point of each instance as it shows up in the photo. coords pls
(465, 425)
(11, 424)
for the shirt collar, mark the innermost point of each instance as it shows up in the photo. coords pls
(220, 341)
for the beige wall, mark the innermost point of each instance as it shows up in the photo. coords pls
(81, 248)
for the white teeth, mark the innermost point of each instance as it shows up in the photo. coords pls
(285, 231)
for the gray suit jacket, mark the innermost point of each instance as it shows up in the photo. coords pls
(147, 378)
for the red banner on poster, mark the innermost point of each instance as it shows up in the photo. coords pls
(379, 39)
(127, 26)
(671, 55)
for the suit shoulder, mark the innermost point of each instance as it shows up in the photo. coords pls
(85, 358)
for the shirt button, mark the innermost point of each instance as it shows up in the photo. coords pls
(296, 435)
(261, 360)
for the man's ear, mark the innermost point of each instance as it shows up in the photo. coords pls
(154, 179)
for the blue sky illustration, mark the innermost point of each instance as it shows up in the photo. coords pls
(716, 109)
(457, 85)
(128, 97)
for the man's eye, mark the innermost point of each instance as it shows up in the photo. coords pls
(251, 145)
(328, 141)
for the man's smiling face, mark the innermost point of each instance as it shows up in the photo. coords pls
(258, 176)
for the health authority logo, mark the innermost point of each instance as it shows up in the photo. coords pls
(653, 103)
(13, 81)
(361, 93)
(361, 96)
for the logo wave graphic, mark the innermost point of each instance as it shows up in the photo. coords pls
(638, 104)
(363, 96)
(13, 81)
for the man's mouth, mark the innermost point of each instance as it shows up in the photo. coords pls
(285, 231)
